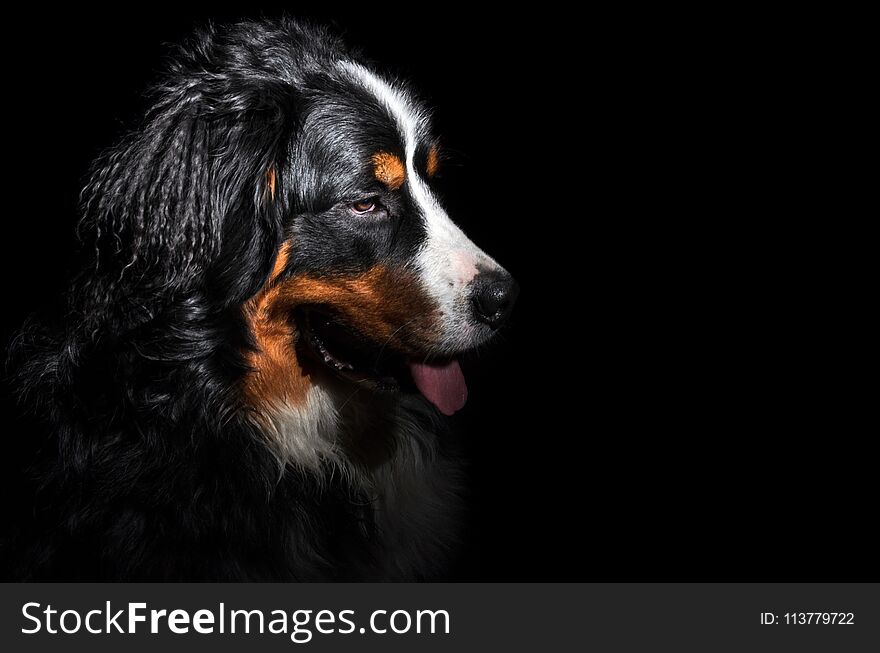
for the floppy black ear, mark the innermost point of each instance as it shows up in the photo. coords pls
(193, 199)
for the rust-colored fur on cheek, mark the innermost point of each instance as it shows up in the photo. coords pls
(277, 377)
(384, 304)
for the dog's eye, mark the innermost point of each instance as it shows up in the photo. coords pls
(364, 206)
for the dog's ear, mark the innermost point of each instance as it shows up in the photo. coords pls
(193, 199)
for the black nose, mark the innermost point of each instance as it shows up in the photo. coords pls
(493, 296)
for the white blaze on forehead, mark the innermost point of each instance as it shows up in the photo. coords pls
(447, 260)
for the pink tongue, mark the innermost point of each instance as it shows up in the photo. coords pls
(442, 385)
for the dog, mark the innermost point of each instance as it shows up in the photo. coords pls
(259, 352)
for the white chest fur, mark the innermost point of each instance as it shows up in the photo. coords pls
(413, 487)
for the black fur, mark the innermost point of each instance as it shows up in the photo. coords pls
(154, 469)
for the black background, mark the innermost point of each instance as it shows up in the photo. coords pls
(659, 408)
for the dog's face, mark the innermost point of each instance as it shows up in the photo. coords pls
(373, 283)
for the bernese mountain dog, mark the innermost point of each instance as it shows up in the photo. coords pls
(250, 379)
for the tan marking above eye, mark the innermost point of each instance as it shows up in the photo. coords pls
(389, 169)
(433, 161)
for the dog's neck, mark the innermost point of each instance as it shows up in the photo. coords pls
(386, 451)
(354, 431)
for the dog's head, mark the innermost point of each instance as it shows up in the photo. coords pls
(280, 174)
(383, 288)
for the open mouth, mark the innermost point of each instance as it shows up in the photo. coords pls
(356, 358)
(347, 353)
